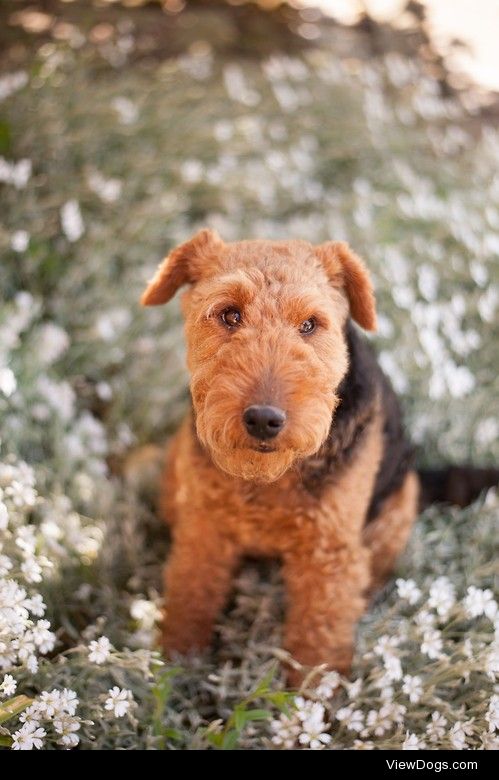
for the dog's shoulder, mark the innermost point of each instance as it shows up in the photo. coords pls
(364, 393)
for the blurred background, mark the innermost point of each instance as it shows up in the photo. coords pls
(126, 126)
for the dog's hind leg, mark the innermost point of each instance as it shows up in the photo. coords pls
(387, 535)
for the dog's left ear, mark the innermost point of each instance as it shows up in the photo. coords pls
(183, 265)
(346, 270)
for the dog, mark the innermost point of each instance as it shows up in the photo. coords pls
(294, 447)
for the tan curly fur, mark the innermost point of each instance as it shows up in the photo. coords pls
(222, 494)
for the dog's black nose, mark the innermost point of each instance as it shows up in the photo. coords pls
(264, 422)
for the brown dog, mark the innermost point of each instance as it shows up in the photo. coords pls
(294, 447)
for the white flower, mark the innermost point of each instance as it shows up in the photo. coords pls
(353, 719)
(49, 703)
(313, 736)
(19, 240)
(8, 686)
(412, 742)
(66, 727)
(32, 715)
(100, 650)
(126, 110)
(359, 744)
(72, 221)
(4, 516)
(354, 688)
(118, 701)
(492, 662)
(42, 637)
(436, 729)
(393, 712)
(17, 174)
(393, 667)
(377, 722)
(108, 190)
(459, 733)
(432, 644)
(489, 741)
(191, 171)
(385, 646)
(31, 570)
(28, 737)
(52, 341)
(492, 715)
(424, 619)
(408, 590)
(442, 596)
(313, 727)
(479, 602)
(69, 701)
(8, 383)
(145, 612)
(328, 685)
(285, 731)
(412, 688)
(5, 565)
(36, 605)
(12, 82)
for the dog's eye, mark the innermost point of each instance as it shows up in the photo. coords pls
(231, 318)
(308, 326)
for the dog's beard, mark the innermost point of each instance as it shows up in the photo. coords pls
(253, 466)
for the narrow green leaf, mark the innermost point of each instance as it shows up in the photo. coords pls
(230, 740)
(13, 707)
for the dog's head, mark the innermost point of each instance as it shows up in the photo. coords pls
(264, 323)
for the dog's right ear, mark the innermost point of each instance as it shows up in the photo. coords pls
(183, 265)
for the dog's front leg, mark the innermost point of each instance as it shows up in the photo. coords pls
(325, 589)
(197, 580)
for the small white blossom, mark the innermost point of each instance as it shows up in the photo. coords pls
(492, 715)
(8, 382)
(393, 667)
(127, 111)
(442, 596)
(19, 240)
(353, 719)
(386, 645)
(52, 342)
(4, 516)
(412, 742)
(459, 734)
(8, 686)
(42, 637)
(28, 737)
(145, 612)
(408, 590)
(32, 715)
(479, 602)
(328, 685)
(49, 703)
(31, 570)
(66, 726)
(413, 688)
(118, 701)
(18, 174)
(436, 729)
(100, 650)
(286, 730)
(72, 221)
(432, 644)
